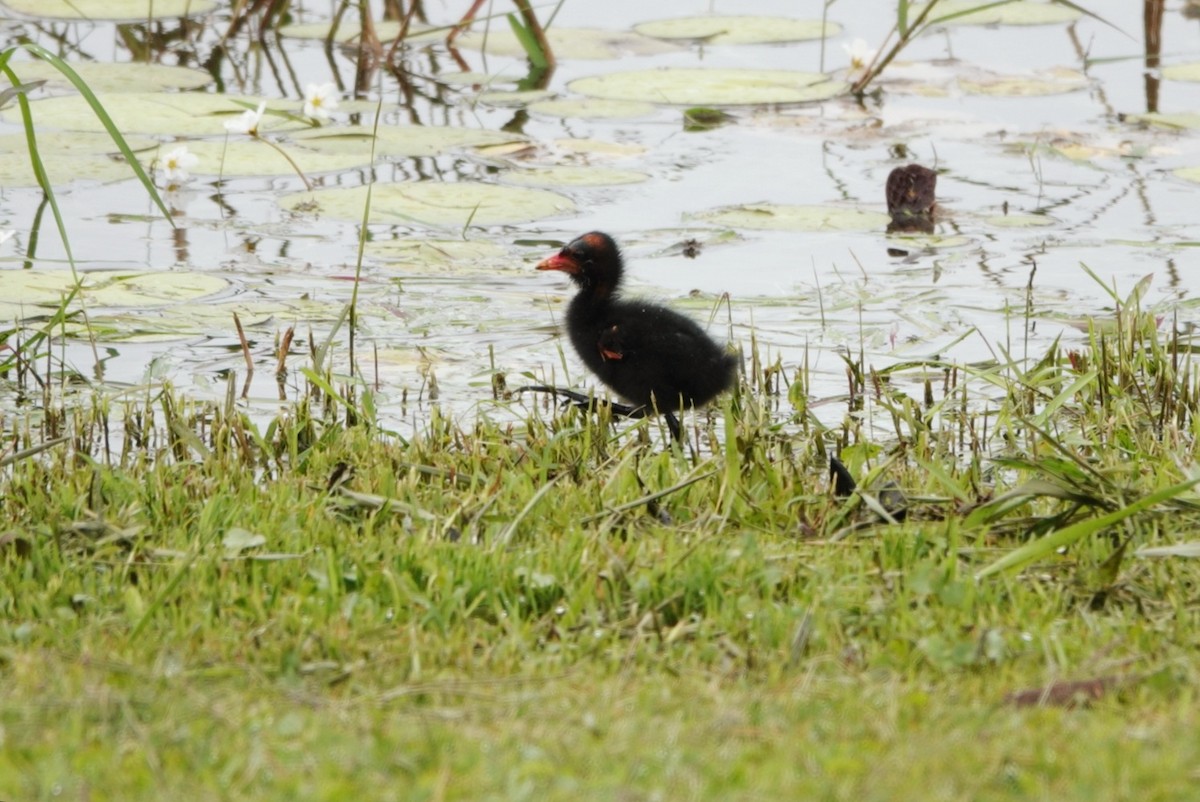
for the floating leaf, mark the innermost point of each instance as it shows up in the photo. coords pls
(68, 156)
(1022, 12)
(568, 176)
(20, 288)
(1175, 121)
(1187, 174)
(92, 10)
(242, 156)
(593, 109)
(386, 31)
(720, 87)
(568, 43)
(177, 114)
(441, 256)
(700, 118)
(442, 204)
(738, 30)
(125, 76)
(1052, 82)
(399, 140)
(598, 147)
(516, 98)
(1020, 220)
(795, 218)
(1182, 72)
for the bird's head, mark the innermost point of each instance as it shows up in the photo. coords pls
(593, 261)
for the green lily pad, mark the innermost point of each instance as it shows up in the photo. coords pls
(91, 10)
(590, 44)
(569, 176)
(243, 156)
(442, 256)
(107, 287)
(738, 30)
(780, 217)
(441, 204)
(126, 76)
(471, 78)
(593, 108)
(514, 99)
(917, 241)
(1187, 120)
(1020, 221)
(385, 31)
(1023, 12)
(191, 319)
(1182, 72)
(1187, 174)
(394, 141)
(711, 87)
(1052, 82)
(68, 156)
(176, 114)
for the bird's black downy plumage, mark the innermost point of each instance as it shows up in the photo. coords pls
(651, 356)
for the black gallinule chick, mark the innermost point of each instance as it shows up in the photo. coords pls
(654, 358)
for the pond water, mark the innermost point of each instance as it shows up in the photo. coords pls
(1044, 162)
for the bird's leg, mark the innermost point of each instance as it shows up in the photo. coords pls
(585, 401)
(674, 427)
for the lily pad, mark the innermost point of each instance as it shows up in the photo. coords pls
(1023, 12)
(441, 256)
(1182, 72)
(514, 99)
(568, 176)
(186, 320)
(242, 156)
(126, 76)
(591, 44)
(107, 287)
(406, 140)
(68, 156)
(739, 30)
(385, 31)
(780, 217)
(177, 114)
(116, 10)
(441, 204)
(1188, 174)
(599, 147)
(714, 87)
(593, 108)
(1020, 221)
(1174, 121)
(1052, 82)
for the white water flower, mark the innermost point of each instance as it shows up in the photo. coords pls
(320, 100)
(247, 122)
(861, 54)
(175, 165)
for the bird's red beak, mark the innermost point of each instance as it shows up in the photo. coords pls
(560, 261)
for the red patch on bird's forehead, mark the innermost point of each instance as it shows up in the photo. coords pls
(594, 241)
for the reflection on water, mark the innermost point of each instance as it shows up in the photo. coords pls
(1029, 189)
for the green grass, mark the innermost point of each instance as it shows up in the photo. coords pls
(197, 607)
